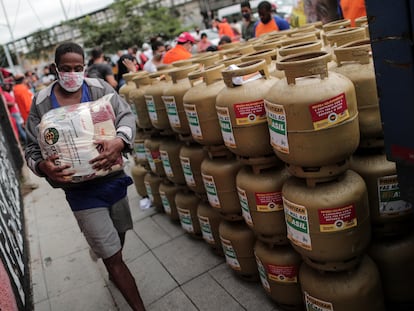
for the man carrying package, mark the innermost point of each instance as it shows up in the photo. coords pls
(98, 201)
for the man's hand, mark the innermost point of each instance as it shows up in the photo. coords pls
(109, 153)
(59, 173)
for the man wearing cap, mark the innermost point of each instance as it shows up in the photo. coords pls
(182, 50)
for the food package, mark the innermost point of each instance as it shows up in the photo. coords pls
(70, 132)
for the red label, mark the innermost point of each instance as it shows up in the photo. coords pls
(156, 155)
(336, 219)
(250, 112)
(269, 201)
(329, 112)
(282, 273)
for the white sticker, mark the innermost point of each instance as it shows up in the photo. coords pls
(152, 112)
(166, 163)
(193, 121)
(230, 254)
(188, 173)
(390, 202)
(226, 127)
(262, 274)
(172, 112)
(149, 191)
(297, 224)
(185, 219)
(211, 190)
(206, 229)
(245, 206)
(165, 203)
(315, 304)
(276, 118)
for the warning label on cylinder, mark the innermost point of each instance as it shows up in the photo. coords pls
(276, 119)
(165, 203)
(250, 113)
(149, 191)
(329, 112)
(166, 163)
(282, 274)
(226, 127)
(172, 112)
(193, 121)
(185, 220)
(230, 254)
(262, 274)
(390, 202)
(140, 151)
(337, 219)
(152, 112)
(244, 203)
(315, 304)
(153, 158)
(269, 201)
(188, 173)
(297, 224)
(206, 229)
(211, 190)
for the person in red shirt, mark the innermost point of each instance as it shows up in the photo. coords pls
(224, 28)
(352, 9)
(23, 96)
(182, 50)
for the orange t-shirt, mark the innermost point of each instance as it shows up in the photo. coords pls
(352, 9)
(225, 30)
(176, 53)
(265, 28)
(23, 98)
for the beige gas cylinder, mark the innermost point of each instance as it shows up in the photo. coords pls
(389, 214)
(137, 98)
(268, 55)
(139, 147)
(358, 290)
(312, 116)
(279, 270)
(219, 177)
(208, 60)
(260, 195)
(299, 38)
(152, 185)
(337, 24)
(168, 192)
(301, 47)
(128, 86)
(138, 173)
(394, 257)
(230, 61)
(339, 37)
(183, 62)
(160, 80)
(268, 44)
(200, 105)
(170, 157)
(173, 99)
(328, 224)
(152, 151)
(354, 60)
(238, 242)
(362, 22)
(240, 109)
(209, 219)
(191, 157)
(187, 204)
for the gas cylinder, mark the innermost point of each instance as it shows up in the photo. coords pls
(191, 157)
(137, 98)
(152, 151)
(229, 61)
(260, 195)
(208, 60)
(238, 242)
(160, 80)
(200, 105)
(268, 55)
(339, 37)
(152, 185)
(168, 192)
(301, 47)
(209, 220)
(138, 173)
(170, 157)
(279, 269)
(354, 60)
(312, 116)
(358, 289)
(128, 86)
(389, 214)
(187, 203)
(337, 24)
(219, 177)
(362, 22)
(240, 109)
(328, 224)
(299, 38)
(394, 257)
(268, 44)
(173, 99)
(139, 147)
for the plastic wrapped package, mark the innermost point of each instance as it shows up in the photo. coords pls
(70, 132)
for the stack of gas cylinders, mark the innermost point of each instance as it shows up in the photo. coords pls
(272, 152)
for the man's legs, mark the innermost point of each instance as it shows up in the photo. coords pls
(124, 280)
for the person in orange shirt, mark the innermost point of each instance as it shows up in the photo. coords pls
(224, 28)
(182, 50)
(23, 96)
(268, 22)
(352, 9)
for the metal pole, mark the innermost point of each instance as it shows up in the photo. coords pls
(11, 33)
(8, 57)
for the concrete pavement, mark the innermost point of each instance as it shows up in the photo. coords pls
(173, 270)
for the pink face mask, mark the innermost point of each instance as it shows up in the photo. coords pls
(71, 81)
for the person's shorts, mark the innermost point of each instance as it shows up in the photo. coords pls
(101, 225)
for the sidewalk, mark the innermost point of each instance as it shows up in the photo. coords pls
(173, 270)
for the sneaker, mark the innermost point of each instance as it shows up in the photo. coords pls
(145, 203)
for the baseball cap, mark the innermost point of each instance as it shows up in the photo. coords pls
(185, 37)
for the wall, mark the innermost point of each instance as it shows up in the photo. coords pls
(13, 244)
